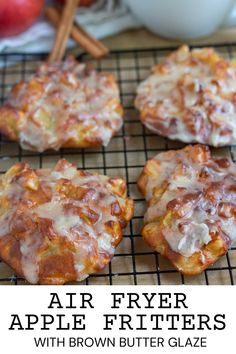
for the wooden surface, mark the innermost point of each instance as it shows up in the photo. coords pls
(142, 38)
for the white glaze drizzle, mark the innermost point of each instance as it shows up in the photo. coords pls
(70, 91)
(195, 231)
(66, 222)
(194, 80)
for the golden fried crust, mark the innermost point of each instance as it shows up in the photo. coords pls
(191, 97)
(191, 215)
(9, 120)
(60, 225)
(65, 104)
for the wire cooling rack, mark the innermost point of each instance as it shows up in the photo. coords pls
(134, 262)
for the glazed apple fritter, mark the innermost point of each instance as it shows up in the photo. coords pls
(60, 225)
(191, 215)
(191, 97)
(66, 104)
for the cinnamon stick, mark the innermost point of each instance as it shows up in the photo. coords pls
(64, 30)
(83, 38)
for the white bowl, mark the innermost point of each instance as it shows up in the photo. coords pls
(181, 19)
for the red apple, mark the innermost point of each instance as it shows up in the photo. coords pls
(81, 3)
(18, 15)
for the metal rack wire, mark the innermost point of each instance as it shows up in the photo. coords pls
(133, 263)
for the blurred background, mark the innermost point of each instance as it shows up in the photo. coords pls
(120, 23)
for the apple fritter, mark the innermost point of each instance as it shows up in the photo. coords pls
(191, 97)
(65, 104)
(191, 215)
(60, 225)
